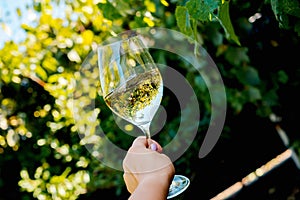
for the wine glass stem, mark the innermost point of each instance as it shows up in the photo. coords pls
(146, 130)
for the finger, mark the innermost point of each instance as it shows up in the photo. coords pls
(155, 146)
(141, 141)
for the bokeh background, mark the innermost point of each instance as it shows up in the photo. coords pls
(255, 45)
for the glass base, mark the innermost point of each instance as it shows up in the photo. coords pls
(179, 184)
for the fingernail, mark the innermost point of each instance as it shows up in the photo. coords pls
(153, 146)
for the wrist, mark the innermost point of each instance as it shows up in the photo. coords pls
(159, 180)
(153, 187)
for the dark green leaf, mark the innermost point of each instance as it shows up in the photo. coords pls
(282, 76)
(237, 56)
(297, 28)
(248, 76)
(291, 7)
(254, 94)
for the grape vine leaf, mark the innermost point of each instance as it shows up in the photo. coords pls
(205, 11)
(202, 10)
(287, 13)
(183, 20)
(224, 19)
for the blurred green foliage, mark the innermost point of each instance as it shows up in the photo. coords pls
(39, 140)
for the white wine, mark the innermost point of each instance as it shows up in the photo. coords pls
(132, 88)
(138, 99)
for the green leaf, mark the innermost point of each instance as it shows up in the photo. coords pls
(297, 28)
(270, 98)
(49, 63)
(53, 78)
(282, 76)
(202, 10)
(287, 13)
(291, 7)
(237, 55)
(41, 72)
(278, 12)
(109, 11)
(248, 76)
(225, 21)
(280, 15)
(254, 94)
(183, 20)
(236, 99)
(124, 8)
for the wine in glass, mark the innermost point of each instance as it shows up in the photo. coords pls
(132, 88)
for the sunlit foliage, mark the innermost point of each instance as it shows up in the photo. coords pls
(37, 76)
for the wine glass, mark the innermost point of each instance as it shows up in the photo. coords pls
(132, 87)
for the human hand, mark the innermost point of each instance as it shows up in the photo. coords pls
(147, 172)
